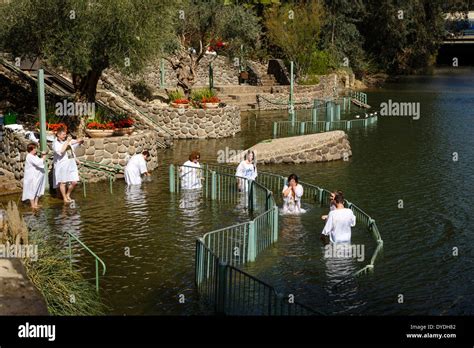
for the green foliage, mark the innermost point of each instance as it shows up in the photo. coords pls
(173, 95)
(198, 94)
(141, 90)
(86, 37)
(295, 29)
(309, 79)
(57, 281)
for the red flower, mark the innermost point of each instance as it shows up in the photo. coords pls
(98, 125)
(127, 123)
(181, 101)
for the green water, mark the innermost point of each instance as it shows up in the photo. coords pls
(398, 158)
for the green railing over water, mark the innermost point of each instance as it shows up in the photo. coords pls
(294, 128)
(97, 258)
(110, 170)
(218, 253)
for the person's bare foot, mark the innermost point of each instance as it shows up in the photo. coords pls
(67, 201)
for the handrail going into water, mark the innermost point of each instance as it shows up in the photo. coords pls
(97, 258)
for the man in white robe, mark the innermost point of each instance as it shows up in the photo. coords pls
(136, 166)
(339, 222)
(65, 167)
(33, 179)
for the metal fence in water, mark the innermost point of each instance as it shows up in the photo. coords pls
(295, 128)
(218, 253)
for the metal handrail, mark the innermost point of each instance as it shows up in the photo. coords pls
(97, 258)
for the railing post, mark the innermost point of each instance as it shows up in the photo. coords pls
(70, 251)
(97, 275)
(320, 196)
(171, 173)
(314, 112)
(275, 223)
(213, 185)
(302, 128)
(250, 194)
(84, 187)
(221, 287)
(274, 130)
(252, 242)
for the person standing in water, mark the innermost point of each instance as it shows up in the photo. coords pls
(246, 169)
(332, 203)
(292, 193)
(65, 167)
(191, 172)
(33, 179)
(136, 166)
(339, 222)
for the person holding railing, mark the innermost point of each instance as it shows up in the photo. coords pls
(33, 179)
(190, 172)
(65, 166)
(292, 193)
(247, 169)
(339, 222)
(135, 167)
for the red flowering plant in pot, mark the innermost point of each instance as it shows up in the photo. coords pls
(123, 124)
(178, 100)
(98, 129)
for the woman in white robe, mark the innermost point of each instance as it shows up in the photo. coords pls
(246, 169)
(292, 193)
(190, 173)
(33, 179)
(136, 166)
(65, 167)
(339, 222)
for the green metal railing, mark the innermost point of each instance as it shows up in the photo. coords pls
(359, 96)
(218, 254)
(97, 258)
(290, 128)
(110, 170)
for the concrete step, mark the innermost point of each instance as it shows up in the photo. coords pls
(248, 97)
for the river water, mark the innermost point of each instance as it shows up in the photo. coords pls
(147, 236)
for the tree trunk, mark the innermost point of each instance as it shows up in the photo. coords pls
(185, 66)
(86, 89)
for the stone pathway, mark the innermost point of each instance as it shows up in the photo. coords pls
(18, 296)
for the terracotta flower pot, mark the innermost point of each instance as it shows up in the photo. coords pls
(210, 105)
(100, 133)
(180, 105)
(123, 131)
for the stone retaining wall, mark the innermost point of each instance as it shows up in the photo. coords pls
(200, 123)
(109, 151)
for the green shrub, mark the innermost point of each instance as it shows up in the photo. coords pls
(310, 79)
(173, 95)
(141, 90)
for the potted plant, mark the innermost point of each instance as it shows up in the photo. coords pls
(51, 128)
(123, 125)
(10, 118)
(178, 100)
(210, 102)
(95, 129)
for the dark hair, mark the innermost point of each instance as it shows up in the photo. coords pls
(194, 155)
(146, 153)
(248, 153)
(61, 130)
(30, 147)
(339, 199)
(293, 176)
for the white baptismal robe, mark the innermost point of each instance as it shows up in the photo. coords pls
(191, 177)
(292, 204)
(136, 166)
(338, 225)
(65, 167)
(248, 171)
(33, 180)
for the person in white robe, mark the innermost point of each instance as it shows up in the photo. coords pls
(191, 173)
(135, 168)
(66, 173)
(33, 179)
(339, 222)
(292, 193)
(246, 169)
(332, 203)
